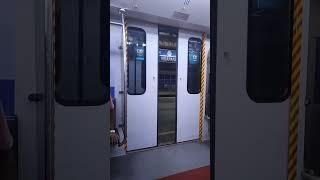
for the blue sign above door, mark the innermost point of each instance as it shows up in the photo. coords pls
(167, 56)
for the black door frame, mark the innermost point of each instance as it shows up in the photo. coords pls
(213, 61)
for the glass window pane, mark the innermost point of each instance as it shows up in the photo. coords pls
(67, 52)
(80, 54)
(92, 86)
(317, 74)
(269, 50)
(194, 65)
(136, 61)
(131, 75)
(268, 4)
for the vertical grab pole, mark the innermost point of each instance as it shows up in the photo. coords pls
(203, 63)
(125, 63)
(295, 90)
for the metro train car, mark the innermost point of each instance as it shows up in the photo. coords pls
(171, 89)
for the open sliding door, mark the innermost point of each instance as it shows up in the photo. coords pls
(142, 86)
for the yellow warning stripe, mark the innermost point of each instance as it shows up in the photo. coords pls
(295, 90)
(203, 62)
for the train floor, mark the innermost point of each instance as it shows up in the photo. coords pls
(160, 162)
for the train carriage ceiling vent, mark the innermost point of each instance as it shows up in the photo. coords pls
(180, 15)
(186, 2)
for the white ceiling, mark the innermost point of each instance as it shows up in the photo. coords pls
(161, 11)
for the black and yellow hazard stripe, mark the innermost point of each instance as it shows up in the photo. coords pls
(202, 86)
(295, 90)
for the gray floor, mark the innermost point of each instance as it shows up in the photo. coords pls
(160, 162)
(166, 120)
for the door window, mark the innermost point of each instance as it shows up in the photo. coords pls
(194, 65)
(136, 61)
(81, 61)
(269, 50)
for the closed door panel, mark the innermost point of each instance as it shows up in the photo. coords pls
(312, 145)
(189, 71)
(81, 144)
(142, 85)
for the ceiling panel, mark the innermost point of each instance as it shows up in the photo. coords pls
(196, 12)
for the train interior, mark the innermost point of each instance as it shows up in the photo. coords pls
(157, 116)
(263, 70)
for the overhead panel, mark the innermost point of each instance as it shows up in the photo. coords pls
(185, 14)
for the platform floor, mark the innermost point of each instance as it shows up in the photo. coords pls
(160, 162)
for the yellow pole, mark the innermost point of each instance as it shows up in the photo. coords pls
(203, 62)
(295, 90)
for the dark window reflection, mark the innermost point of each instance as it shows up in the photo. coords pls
(269, 50)
(81, 63)
(317, 78)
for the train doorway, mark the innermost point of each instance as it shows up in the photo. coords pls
(167, 85)
(154, 94)
(161, 61)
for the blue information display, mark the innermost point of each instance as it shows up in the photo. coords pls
(194, 51)
(140, 53)
(194, 57)
(167, 56)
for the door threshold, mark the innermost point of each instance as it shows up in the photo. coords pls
(161, 146)
(166, 133)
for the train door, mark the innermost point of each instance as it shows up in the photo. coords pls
(29, 91)
(142, 85)
(312, 146)
(189, 77)
(252, 89)
(312, 124)
(167, 85)
(81, 91)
